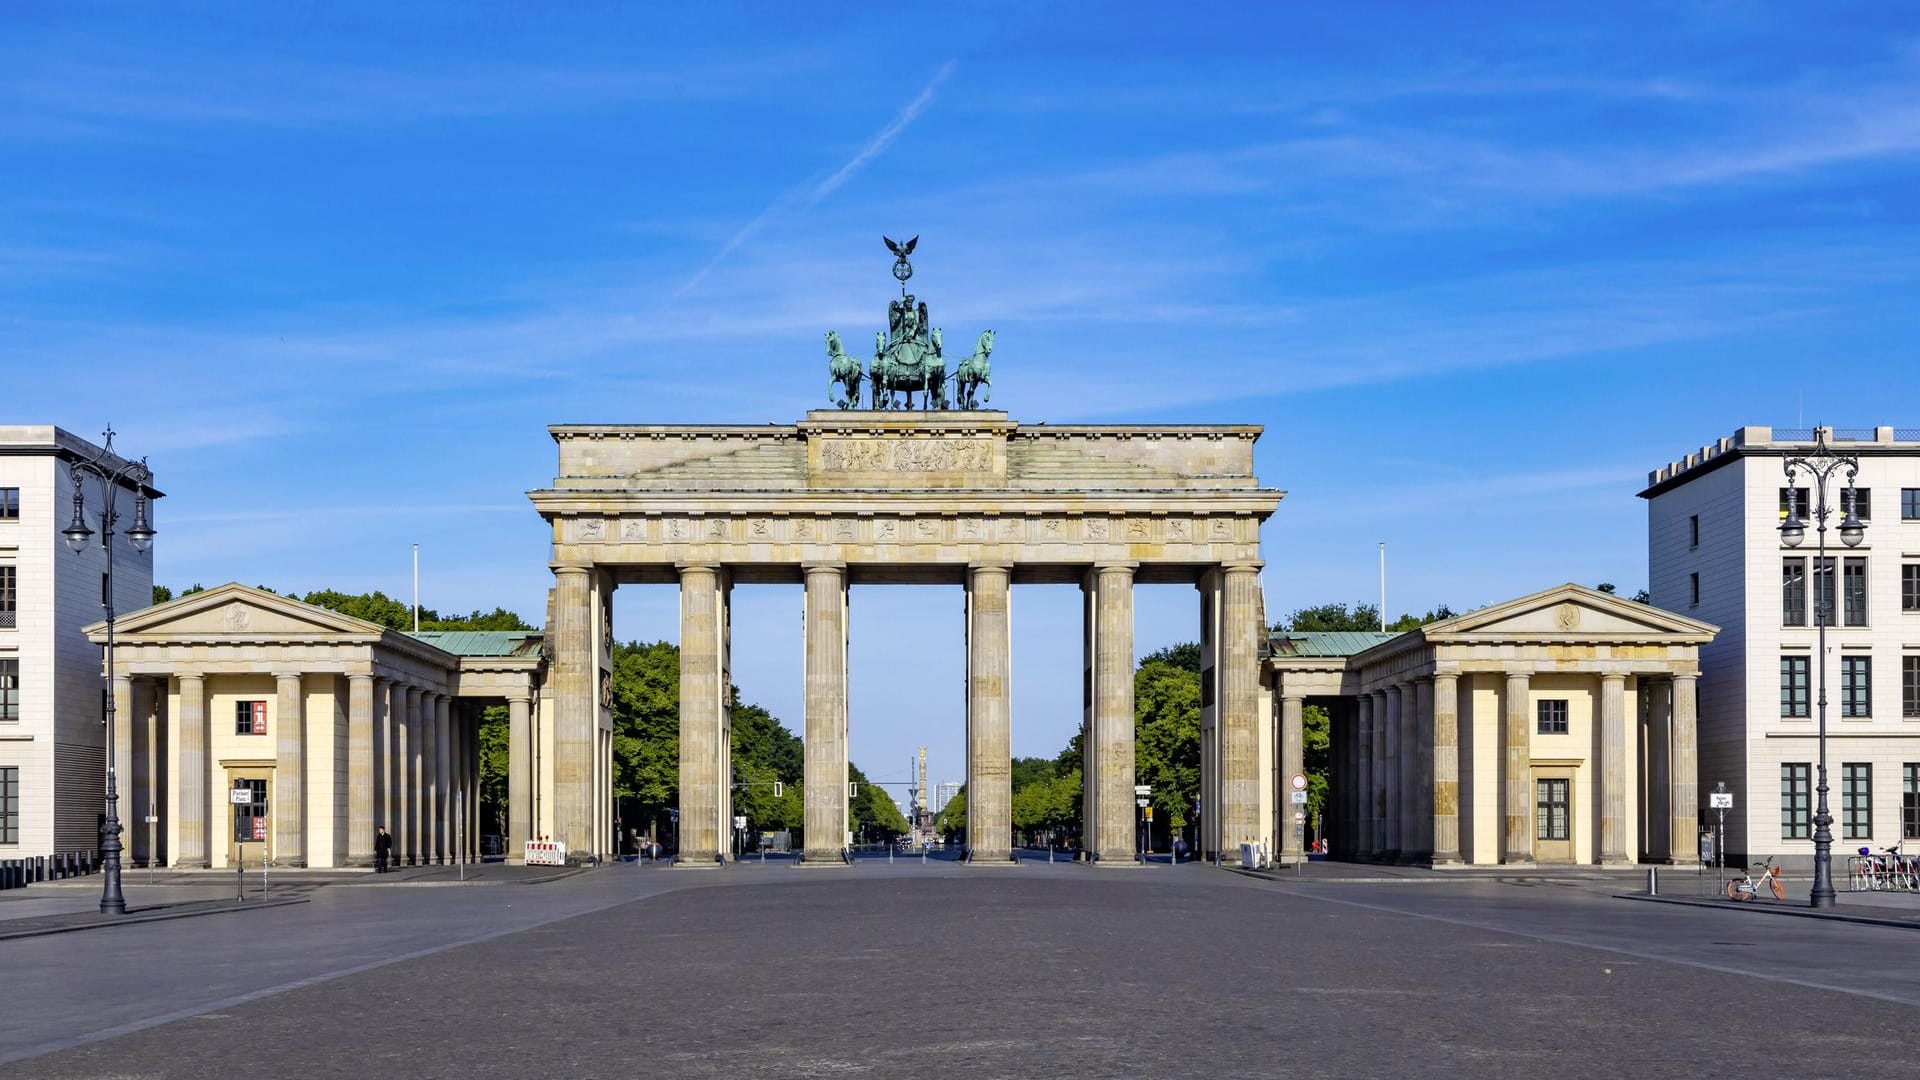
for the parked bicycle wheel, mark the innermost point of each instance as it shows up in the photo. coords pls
(1779, 890)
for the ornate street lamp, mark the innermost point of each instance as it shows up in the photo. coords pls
(1819, 467)
(112, 472)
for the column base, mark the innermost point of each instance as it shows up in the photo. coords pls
(1617, 860)
(695, 864)
(192, 864)
(1443, 860)
(299, 863)
(358, 862)
(1516, 860)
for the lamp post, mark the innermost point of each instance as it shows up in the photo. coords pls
(112, 472)
(1819, 467)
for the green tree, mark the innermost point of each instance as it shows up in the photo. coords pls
(646, 729)
(1185, 655)
(873, 807)
(1326, 617)
(952, 820)
(162, 594)
(1166, 702)
(493, 767)
(1317, 739)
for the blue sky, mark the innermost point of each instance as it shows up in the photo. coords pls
(334, 269)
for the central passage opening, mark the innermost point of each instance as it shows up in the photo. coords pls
(906, 691)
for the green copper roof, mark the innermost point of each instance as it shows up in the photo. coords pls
(483, 642)
(1326, 642)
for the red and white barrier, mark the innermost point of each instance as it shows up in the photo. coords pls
(546, 853)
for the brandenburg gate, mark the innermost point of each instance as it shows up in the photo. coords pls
(892, 494)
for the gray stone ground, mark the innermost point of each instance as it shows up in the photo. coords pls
(954, 971)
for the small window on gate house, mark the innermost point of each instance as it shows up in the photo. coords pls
(249, 718)
(1552, 716)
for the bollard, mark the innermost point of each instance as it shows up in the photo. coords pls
(1653, 881)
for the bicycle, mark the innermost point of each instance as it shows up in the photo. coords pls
(1746, 888)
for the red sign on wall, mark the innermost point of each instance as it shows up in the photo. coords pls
(259, 718)
(260, 828)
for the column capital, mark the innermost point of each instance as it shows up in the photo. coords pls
(1117, 567)
(194, 676)
(1612, 677)
(1286, 697)
(839, 568)
(569, 569)
(282, 676)
(1243, 566)
(362, 676)
(986, 567)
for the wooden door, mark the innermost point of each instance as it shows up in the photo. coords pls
(1553, 815)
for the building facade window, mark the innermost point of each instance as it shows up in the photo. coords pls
(1910, 504)
(1551, 799)
(1856, 800)
(9, 504)
(1693, 585)
(1796, 801)
(1793, 685)
(1862, 504)
(1910, 686)
(1910, 586)
(1798, 497)
(1910, 801)
(1853, 584)
(1551, 716)
(9, 597)
(1793, 592)
(9, 689)
(1693, 531)
(9, 804)
(1856, 686)
(1823, 591)
(249, 718)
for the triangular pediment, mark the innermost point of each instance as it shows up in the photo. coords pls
(238, 611)
(1568, 612)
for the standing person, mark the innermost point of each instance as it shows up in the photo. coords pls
(382, 849)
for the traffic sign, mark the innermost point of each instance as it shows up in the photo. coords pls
(1299, 782)
(1720, 800)
(1299, 798)
(1299, 817)
(1142, 789)
(1140, 802)
(240, 796)
(739, 821)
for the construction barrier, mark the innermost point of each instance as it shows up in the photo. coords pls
(546, 853)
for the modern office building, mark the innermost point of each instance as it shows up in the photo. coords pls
(52, 724)
(1715, 553)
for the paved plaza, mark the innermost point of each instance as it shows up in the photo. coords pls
(944, 970)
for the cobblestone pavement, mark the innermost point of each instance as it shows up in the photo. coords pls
(954, 971)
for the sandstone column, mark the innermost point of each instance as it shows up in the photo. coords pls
(1292, 761)
(1655, 828)
(289, 803)
(1446, 770)
(413, 768)
(519, 775)
(1613, 769)
(1398, 708)
(574, 678)
(1378, 737)
(137, 788)
(360, 760)
(444, 785)
(824, 623)
(1517, 840)
(1109, 829)
(1362, 775)
(394, 768)
(989, 715)
(1239, 705)
(703, 779)
(190, 770)
(1684, 771)
(1419, 806)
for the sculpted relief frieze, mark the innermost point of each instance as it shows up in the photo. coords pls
(961, 531)
(906, 455)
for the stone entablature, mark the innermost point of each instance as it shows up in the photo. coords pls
(857, 488)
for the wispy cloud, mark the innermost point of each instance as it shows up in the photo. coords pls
(801, 198)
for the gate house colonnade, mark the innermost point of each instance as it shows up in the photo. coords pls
(1560, 727)
(959, 498)
(343, 724)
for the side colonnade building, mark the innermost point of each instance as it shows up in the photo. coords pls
(1561, 727)
(257, 726)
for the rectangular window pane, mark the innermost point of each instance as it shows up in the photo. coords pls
(1910, 504)
(1854, 581)
(1910, 801)
(1796, 793)
(1552, 717)
(1693, 531)
(249, 718)
(9, 690)
(1910, 587)
(1793, 685)
(1856, 686)
(1551, 812)
(1799, 502)
(1856, 801)
(9, 805)
(1910, 686)
(9, 504)
(1823, 591)
(1793, 592)
(1862, 504)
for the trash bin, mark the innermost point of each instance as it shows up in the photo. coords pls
(1250, 856)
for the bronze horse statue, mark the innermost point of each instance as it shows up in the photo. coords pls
(910, 365)
(973, 374)
(843, 374)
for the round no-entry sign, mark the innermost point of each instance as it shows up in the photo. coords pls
(1299, 782)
